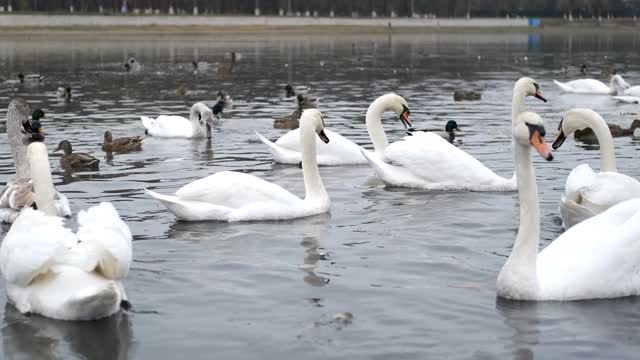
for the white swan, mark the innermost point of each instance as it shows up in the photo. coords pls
(236, 196)
(630, 95)
(342, 151)
(597, 258)
(51, 271)
(588, 193)
(197, 126)
(18, 194)
(427, 161)
(617, 86)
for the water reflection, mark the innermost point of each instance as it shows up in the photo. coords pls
(522, 318)
(35, 337)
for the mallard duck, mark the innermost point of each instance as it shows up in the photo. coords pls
(120, 145)
(292, 121)
(587, 134)
(448, 133)
(76, 161)
(38, 114)
(461, 95)
(132, 65)
(223, 102)
(64, 93)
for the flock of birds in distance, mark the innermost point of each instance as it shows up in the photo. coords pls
(52, 271)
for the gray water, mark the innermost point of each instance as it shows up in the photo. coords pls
(416, 269)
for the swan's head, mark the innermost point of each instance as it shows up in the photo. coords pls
(528, 130)
(312, 118)
(204, 116)
(397, 104)
(572, 120)
(618, 84)
(37, 114)
(529, 87)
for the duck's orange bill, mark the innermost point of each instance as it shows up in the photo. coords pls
(540, 144)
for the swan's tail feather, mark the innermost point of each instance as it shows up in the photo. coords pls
(279, 153)
(627, 99)
(148, 123)
(564, 87)
(191, 210)
(95, 303)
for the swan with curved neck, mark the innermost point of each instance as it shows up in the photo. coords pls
(341, 151)
(577, 265)
(617, 86)
(427, 161)
(198, 125)
(235, 196)
(588, 193)
(51, 271)
(19, 194)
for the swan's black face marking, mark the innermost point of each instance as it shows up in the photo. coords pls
(404, 117)
(538, 93)
(560, 138)
(537, 140)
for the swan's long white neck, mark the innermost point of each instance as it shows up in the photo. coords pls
(17, 112)
(517, 108)
(41, 177)
(198, 131)
(520, 270)
(374, 124)
(603, 134)
(312, 182)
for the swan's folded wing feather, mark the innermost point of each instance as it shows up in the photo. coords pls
(339, 150)
(434, 159)
(18, 194)
(584, 86)
(608, 189)
(235, 190)
(580, 177)
(105, 241)
(34, 243)
(168, 126)
(597, 254)
(633, 91)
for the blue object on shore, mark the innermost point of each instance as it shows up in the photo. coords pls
(535, 22)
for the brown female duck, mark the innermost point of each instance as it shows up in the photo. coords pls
(587, 134)
(121, 145)
(76, 161)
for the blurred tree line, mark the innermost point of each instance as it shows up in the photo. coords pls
(365, 8)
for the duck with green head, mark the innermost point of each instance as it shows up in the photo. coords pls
(76, 161)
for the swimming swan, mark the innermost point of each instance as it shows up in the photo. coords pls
(425, 160)
(197, 126)
(18, 194)
(617, 86)
(588, 193)
(236, 196)
(597, 258)
(51, 271)
(341, 151)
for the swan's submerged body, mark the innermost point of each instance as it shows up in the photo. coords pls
(233, 196)
(197, 126)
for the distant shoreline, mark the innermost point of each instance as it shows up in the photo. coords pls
(78, 24)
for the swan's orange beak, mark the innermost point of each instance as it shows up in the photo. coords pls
(540, 144)
(539, 95)
(404, 117)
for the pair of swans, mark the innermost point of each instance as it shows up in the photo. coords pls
(588, 193)
(198, 125)
(235, 196)
(51, 271)
(596, 258)
(426, 160)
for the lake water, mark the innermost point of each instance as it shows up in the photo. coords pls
(416, 269)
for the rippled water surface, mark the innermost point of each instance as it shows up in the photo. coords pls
(416, 269)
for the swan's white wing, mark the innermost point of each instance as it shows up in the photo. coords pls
(633, 91)
(583, 86)
(435, 160)
(34, 243)
(627, 99)
(235, 190)
(168, 126)
(597, 258)
(608, 189)
(18, 194)
(338, 151)
(580, 177)
(105, 241)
